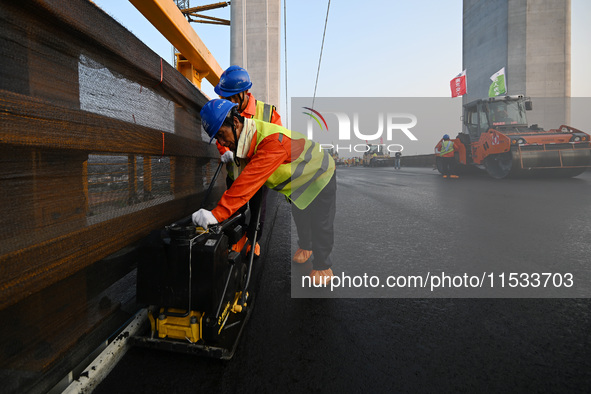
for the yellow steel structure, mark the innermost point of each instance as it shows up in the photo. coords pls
(195, 61)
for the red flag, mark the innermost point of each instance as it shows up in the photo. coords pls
(458, 85)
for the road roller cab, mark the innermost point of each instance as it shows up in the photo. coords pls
(496, 136)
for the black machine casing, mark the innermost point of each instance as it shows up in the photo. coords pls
(180, 269)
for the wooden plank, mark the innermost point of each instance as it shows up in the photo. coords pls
(147, 177)
(33, 122)
(132, 180)
(55, 259)
(95, 30)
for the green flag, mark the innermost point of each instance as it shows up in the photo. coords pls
(497, 87)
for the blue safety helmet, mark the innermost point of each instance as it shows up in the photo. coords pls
(213, 114)
(233, 81)
(445, 137)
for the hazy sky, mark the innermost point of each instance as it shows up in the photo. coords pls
(373, 48)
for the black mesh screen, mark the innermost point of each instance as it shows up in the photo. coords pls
(100, 143)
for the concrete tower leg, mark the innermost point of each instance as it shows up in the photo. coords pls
(255, 45)
(531, 39)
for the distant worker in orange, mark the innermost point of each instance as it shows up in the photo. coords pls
(445, 150)
(234, 86)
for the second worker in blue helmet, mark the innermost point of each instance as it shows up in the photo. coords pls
(234, 86)
(282, 160)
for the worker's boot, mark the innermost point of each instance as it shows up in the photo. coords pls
(322, 277)
(301, 255)
(237, 247)
(257, 249)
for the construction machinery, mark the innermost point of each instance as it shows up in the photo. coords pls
(497, 137)
(196, 284)
(377, 156)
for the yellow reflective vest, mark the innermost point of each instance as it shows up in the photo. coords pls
(447, 147)
(263, 111)
(305, 177)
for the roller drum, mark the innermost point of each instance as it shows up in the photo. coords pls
(554, 163)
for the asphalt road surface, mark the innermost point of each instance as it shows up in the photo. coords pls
(403, 223)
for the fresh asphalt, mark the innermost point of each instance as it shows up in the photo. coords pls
(387, 339)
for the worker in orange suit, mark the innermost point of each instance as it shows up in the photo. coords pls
(234, 86)
(285, 161)
(445, 149)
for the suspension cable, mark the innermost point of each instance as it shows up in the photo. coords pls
(321, 49)
(286, 112)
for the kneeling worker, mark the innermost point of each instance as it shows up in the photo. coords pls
(284, 161)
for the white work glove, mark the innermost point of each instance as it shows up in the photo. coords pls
(227, 157)
(204, 218)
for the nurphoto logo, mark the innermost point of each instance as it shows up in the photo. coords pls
(388, 124)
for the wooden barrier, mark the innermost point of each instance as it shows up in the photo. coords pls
(46, 139)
